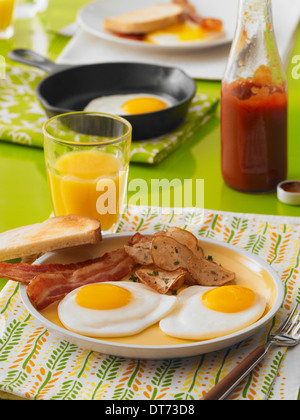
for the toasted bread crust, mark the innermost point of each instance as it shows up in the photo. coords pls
(55, 233)
(145, 20)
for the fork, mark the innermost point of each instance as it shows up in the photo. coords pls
(288, 335)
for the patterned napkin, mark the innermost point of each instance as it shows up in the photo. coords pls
(22, 117)
(36, 364)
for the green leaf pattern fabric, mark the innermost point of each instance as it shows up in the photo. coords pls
(22, 117)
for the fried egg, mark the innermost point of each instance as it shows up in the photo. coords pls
(113, 309)
(179, 33)
(204, 313)
(131, 104)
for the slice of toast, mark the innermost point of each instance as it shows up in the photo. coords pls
(145, 20)
(53, 234)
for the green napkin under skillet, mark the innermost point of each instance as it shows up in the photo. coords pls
(22, 117)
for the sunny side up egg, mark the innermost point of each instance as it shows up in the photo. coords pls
(131, 104)
(114, 309)
(205, 313)
(180, 33)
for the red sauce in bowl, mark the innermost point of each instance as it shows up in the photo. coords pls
(291, 187)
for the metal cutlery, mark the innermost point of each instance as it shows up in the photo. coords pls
(288, 335)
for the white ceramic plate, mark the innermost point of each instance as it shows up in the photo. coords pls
(91, 18)
(250, 271)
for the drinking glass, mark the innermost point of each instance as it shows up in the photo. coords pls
(29, 8)
(7, 8)
(87, 160)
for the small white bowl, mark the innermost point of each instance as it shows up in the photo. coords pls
(289, 197)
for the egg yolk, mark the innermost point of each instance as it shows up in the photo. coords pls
(229, 299)
(143, 105)
(186, 31)
(103, 297)
(180, 32)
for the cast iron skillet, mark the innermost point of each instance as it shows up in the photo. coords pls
(71, 88)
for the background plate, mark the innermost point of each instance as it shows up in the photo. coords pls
(91, 18)
(250, 270)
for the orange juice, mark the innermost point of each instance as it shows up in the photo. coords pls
(6, 13)
(88, 183)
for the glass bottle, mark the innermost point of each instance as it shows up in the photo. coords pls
(254, 104)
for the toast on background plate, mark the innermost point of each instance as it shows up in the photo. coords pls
(145, 20)
(53, 234)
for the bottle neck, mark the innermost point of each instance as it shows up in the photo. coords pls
(255, 16)
(255, 6)
(254, 43)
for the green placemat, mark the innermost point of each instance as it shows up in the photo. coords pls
(22, 117)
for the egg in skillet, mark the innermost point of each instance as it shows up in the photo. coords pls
(113, 309)
(204, 313)
(129, 104)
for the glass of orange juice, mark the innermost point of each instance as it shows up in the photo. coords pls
(7, 18)
(87, 159)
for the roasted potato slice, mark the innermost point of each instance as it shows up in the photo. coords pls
(207, 273)
(160, 280)
(186, 238)
(135, 239)
(140, 251)
(168, 254)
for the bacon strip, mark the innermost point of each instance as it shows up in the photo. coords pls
(134, 37)
(190, 13)
(24, 273)
(47, 288)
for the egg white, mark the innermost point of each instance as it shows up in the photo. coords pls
(146, 308)
(191, 319)
(113, 104)
(180, 34)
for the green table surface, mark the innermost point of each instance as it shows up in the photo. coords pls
(24, 195)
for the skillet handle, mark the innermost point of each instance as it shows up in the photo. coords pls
(34, 59)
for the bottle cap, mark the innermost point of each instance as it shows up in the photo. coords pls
(288, 192)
